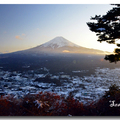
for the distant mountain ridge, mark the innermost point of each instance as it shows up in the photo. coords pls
(62, 45)
(56, 46)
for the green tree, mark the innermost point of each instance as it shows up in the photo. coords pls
(107, 28)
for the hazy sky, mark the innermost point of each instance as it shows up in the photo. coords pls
(23, 26)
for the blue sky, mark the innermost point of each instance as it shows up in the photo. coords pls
(23, 26)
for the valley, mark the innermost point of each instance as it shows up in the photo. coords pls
(85, 77)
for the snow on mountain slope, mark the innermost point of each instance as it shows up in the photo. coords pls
(59, 42)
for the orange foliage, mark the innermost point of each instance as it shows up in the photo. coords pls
(51, 104)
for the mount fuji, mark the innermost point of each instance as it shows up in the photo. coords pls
(59, 42)
(58, 54)
(61, 45)
(58, 45)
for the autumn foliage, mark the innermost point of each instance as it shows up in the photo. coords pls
(51, 104)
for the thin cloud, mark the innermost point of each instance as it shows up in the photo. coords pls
(18, 37)
(23, 34)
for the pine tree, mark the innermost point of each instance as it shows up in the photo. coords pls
(107, 28)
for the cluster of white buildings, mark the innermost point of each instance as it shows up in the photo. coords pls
(84, 89)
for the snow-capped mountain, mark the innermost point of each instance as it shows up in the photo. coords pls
(59, 42)
(56, 46)
(61, 45)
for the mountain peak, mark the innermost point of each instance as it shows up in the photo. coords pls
(58, 42)
(59, 37)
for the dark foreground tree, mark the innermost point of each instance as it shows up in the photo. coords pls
(107, 28)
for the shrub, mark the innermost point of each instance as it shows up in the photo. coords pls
(103, 105)
(51, 104)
